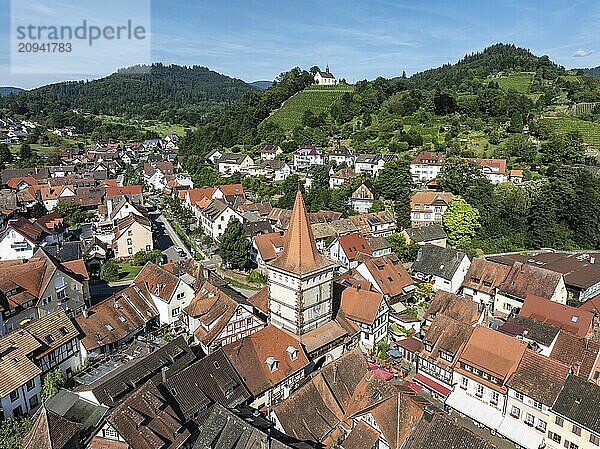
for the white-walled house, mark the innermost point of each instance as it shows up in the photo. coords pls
(20, 239)
(371, 164)
(445, 268)
(485, 365)
(482, 281)
(215, 217)
(532, 390)
(370, 312)
(308, 156)
(20, 388)
(169, 294)
(426, 166)
(230, 163)
(524, 279)
(217, 317)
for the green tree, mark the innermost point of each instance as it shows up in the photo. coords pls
(461, 222)
(25, 152)
(109, 271)
(13, 430)
(6, 156)
(394, 183)
(406, 252)
(52, 383)
(71, 211)
(519, 148)
(234, 245)
(289, 188)
(458, 174)
(142, 257)
(423, 293)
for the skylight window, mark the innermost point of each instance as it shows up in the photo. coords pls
(109, 327)
(49, 339)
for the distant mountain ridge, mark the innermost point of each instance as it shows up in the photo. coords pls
(9, 90)
(169, 92)
(592, 71)
(261, 85)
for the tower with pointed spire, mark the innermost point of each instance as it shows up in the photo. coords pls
(300, 279)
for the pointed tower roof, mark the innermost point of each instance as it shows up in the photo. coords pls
(52, 431)
(300, 254)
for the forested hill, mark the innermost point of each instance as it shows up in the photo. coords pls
(492, 60)
(170, 92)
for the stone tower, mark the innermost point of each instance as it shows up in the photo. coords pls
(300, 279)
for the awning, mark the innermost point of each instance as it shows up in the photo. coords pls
(520, 433)
(412, 385)
(475, 409)
(432, 384)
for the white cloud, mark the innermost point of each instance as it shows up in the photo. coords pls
(582, 53)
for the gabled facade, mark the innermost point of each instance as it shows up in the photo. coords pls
(445, 268)
(487, 362)
(215, 217)
(371, 164)
(370, 312)
(132, 234)
(216, 318)
(426, 166)
(230, 163)
(363, 197)
(169, 294)
(428, 207)
(307, 157)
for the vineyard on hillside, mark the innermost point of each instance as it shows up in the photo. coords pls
(315, 98)
(590, 131)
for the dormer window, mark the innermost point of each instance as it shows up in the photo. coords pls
(293, 352)
(272, 363)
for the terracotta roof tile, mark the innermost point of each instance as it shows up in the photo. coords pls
(300, 254)
(360, 305)
(250, 355)
(534, 367)
(485, 275)
(578, 352)
(562, 316)
(493, 352)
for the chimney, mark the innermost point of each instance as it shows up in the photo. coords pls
(163, 374)
(85, 313)
(592, 259)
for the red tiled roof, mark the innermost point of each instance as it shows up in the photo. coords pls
(352, 244)
(14, 182)
(360, 305)
(231, 189)
(250, 354)
(562, 316)
(268, 245)
(124, 190)
(493, 352)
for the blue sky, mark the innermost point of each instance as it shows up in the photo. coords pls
(256, 40)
